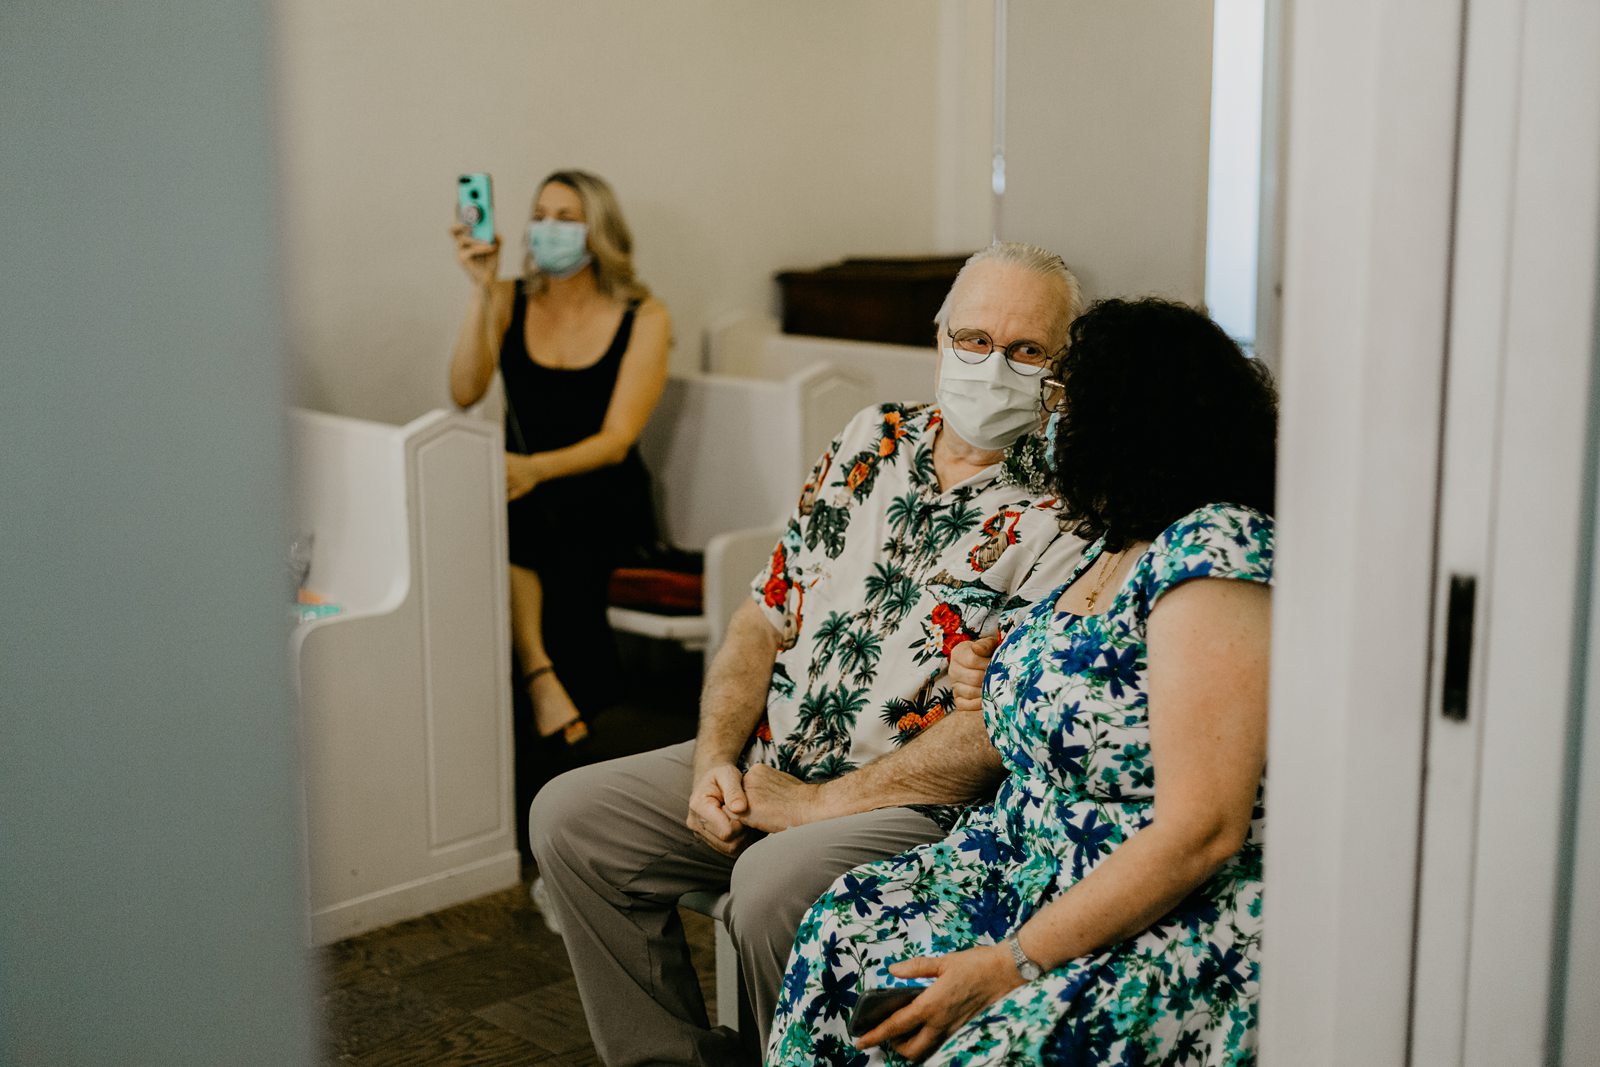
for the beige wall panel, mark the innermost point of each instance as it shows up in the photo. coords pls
(742, 139)
(1107, 127)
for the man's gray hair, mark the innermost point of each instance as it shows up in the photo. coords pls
(1029, 257)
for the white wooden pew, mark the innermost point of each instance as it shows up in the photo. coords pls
(405, 696)
(729, 453)
(750, 346)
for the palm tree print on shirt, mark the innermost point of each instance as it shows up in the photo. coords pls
(882, 559)
(909, 717)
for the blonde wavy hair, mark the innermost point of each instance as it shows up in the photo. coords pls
(610, 240)
(1032, 258)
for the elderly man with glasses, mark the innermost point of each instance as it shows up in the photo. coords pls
(829, 729)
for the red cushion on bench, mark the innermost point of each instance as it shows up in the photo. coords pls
(661, 591)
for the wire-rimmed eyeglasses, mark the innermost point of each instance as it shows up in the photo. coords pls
(1028, 358)
(1053, 394)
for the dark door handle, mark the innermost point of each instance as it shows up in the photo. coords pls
(1458, 645)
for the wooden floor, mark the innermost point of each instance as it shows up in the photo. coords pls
(483, 983)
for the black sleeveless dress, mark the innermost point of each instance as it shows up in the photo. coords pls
(573, 531)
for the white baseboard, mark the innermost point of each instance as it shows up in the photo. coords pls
(419, 897)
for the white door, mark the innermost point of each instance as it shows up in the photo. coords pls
(1513, 520)
(1430, 871)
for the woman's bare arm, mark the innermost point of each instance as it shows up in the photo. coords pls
(477, 350)
(1209, 653)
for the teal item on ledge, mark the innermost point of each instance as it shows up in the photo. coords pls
(307, 612)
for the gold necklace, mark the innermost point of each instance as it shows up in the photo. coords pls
(1105, 576)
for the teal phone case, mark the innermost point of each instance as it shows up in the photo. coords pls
(475, 205)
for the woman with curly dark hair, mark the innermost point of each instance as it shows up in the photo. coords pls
(1106, 907)
(1206, 419)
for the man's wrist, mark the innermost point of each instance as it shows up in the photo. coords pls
(827, 801)
(703, 767)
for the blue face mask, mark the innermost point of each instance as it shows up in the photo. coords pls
(1052, 426)
(560, 249)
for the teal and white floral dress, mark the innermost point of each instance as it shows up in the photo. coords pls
(1066, 706)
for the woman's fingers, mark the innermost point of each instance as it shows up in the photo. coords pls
(916, 1047)
(914, 1031)
(480, 259)
(918, 967)
(899, 1024)
(465, 242)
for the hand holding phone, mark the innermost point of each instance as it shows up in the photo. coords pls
(877, 1004)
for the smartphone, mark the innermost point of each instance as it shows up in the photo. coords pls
(876, 1005)
(475, 205)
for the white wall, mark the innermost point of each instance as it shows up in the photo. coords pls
(742, 139)
(964, 124)
(1233, 214)
(1107, 118)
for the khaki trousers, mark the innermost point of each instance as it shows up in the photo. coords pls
(615, 855)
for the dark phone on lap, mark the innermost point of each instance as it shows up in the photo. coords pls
(877, 1005)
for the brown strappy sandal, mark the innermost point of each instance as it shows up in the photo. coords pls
(573, 732)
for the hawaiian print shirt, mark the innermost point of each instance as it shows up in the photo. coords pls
(879, 574)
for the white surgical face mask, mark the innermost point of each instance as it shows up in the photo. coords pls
(988, 404)
(560, 248)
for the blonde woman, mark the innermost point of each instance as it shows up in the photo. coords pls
(581, 346)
